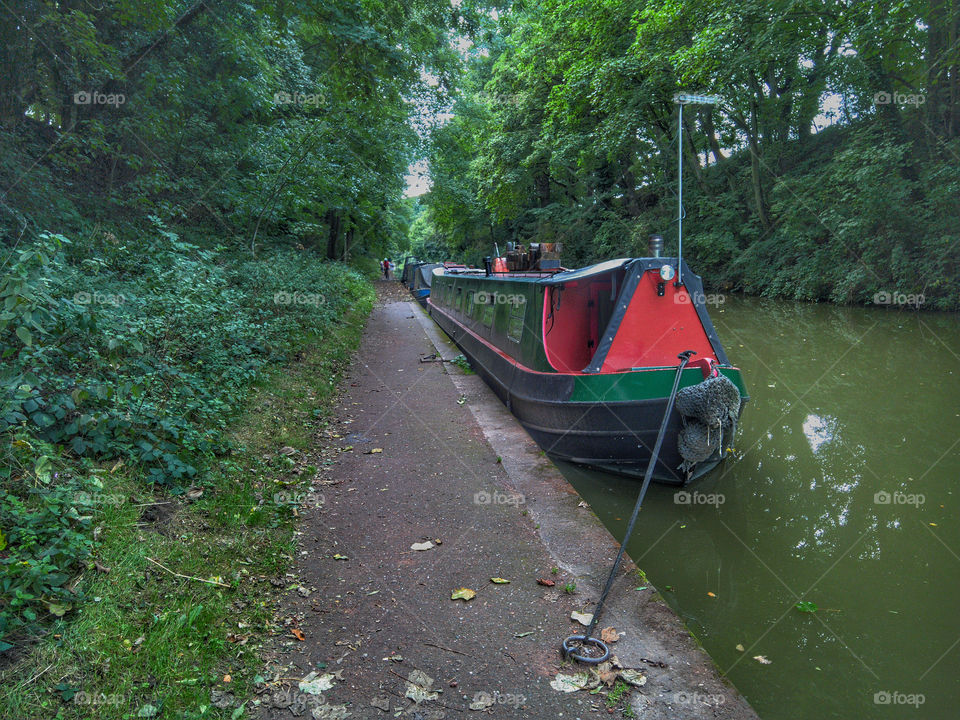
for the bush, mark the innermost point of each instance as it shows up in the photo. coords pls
(133, 351)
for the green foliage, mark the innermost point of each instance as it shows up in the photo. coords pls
(46, 525)
(564, 128)
(256, 119)
(135, 352)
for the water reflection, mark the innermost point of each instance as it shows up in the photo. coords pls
(818, 431)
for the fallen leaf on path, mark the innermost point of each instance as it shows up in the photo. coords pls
(608, 675)
(609, 635)
(313, 685)
(338, 556)
(326, 711)
(381, 702)
(545, 582)
(582, 618)
(740, 648)
(523, 634)
(499, 581)
(633, 677)
(287, 450)
(221, 700)
(374, 451)
(582, 503)
(464, 594)
(96, 563)
(710, 594)
(418, 687)
(422, 546)
(194, 493)
(762, 660)
(574, 682)
(298, 634)
(481, 701)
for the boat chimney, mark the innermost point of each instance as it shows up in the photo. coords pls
(655, 245)
(488, 265)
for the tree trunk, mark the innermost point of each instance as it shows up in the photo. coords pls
(942, 104)
(693, 160)
(629, 185)
(756, 177)
(333, 236)
(541, 186)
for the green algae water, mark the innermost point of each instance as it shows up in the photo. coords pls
(843, 496)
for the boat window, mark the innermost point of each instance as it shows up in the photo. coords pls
(458, 302)
(515, 327)
(486, 314)
(471, 298)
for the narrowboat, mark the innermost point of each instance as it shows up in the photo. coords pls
(406, 275)
(586, 359)
(420, 283)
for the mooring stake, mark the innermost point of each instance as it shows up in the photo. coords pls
(575, 644)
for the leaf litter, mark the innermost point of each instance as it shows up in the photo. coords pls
(606, 673)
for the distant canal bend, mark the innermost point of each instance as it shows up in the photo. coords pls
(844, 496)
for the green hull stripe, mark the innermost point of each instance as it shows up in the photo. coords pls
(640, 385)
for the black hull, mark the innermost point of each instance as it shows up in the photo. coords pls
(615, 437)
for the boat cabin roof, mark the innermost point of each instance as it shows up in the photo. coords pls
(599, 269)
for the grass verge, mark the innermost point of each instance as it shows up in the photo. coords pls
(180, 589)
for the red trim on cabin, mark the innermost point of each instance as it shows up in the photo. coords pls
(501, 353)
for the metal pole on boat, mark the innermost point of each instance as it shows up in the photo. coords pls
(680, 198)
(582, 641)
(682, 100)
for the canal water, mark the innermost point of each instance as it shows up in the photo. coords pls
(843, 494)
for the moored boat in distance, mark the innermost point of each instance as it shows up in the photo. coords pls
(585, 359)
(419, 276)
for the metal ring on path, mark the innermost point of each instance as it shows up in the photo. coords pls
(570, 651)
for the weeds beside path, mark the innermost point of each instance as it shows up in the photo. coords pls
(178, 587)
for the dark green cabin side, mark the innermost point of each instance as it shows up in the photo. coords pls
(491, 307)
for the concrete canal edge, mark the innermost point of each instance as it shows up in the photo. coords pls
(689, 685)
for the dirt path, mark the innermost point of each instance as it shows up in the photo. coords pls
(379, 616)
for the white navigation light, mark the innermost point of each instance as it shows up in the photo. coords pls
(685, 99)
(666, 273)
